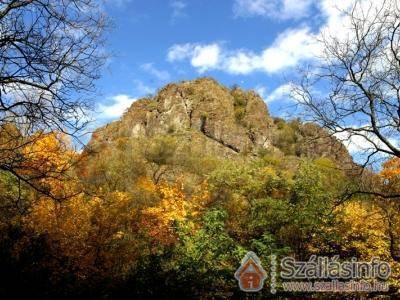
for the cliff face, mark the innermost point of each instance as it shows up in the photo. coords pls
(228, 121)
(217, 121)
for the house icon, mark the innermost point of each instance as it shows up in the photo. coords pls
(250, 274)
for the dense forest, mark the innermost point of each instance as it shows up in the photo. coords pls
(166, 201)
(158, 204)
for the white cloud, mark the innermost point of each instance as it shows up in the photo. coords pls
(296, 8)
(202, 57)
(152, 70)
(276, 9)
(362, 142)
(338, 24)
(206, 57)
(242, 62)
(248, 8)
(178, 9)
(280, 93)
(179, 52)
(291, 47)
(120, 103)
(142, 89)
(332, 10)
(355, 143)
(262, 91)
(116, 105)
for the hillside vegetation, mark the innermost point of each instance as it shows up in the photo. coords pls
(168, 199)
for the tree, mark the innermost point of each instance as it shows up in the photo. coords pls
(390, 209)
(160, 154)
(50, 55)
(353, 90)
(205, 259)
(173, 206)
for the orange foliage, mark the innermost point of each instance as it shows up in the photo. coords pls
(102, 234)
(391, 169)
(93, 234)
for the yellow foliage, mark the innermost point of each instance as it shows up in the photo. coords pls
(92, 233)
(146, 184)
(68, 222)
(173, 206)
(48, 158)
(49, 153)
(363, 230)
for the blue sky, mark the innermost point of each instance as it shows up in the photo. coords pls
(254, 43)
(257, 44)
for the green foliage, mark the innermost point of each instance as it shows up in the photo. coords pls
(160, 150)
(287, 136)
(160, 216)
(207, 258)
(231, 176)
(239, 103)
(209, 246)
(240, 113)
(109, 170)
(14, 198)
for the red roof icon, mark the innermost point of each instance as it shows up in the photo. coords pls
(251, 274)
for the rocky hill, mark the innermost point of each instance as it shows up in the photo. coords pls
(218, 121)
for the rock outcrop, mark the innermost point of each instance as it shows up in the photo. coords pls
(228, 121)
(221, 122)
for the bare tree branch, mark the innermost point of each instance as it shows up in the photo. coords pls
(354, 88)
(51, 53)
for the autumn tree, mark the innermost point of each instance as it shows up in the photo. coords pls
(50, 54)
(160, 154)
(390, 176)
(87, 238)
